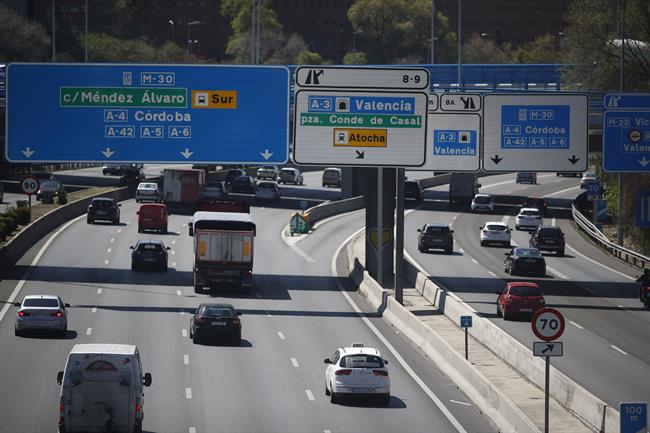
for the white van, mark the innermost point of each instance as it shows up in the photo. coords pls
(102, 389)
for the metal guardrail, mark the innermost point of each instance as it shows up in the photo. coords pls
(622, 253)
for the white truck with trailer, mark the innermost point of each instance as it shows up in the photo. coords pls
(102, 389)
(223, 249)
(463, 187)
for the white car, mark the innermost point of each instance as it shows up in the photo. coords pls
(483, 203)
(148, 191)
(495, 232)
(290, 175)
(267, 191)
(357, 371)
(528, 217)
(588, 177)
(267, 172)
(41, 312)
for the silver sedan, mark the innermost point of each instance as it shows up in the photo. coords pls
(41, 312)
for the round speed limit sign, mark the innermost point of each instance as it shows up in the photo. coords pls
(29, 184)
(548, 324)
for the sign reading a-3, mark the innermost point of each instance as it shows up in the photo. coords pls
(147, 113)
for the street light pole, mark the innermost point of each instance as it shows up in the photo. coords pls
(621, 8)
(86, 33)
(54, 30)
(459, 42)
(172, 24)
(433, 31)
(189, 39)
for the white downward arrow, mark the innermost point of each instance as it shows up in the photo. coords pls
(266, 154)
(108, 152)
(28, 152)
(643, 161)
(187, 153)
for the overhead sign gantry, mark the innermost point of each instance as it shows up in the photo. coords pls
(147, 113)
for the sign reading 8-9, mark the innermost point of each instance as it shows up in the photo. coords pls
(548, 324)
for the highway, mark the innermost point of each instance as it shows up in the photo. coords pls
(296, 316)
(606, 346)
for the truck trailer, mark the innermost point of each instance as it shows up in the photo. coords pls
(182, 189)
(223, 249)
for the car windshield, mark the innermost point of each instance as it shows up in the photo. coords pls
(482, 199)
(102, 203)
(525, 291)
(433, 230)
(496, 228)
(50, 184)
(148, 186)
(40, 302)
(550, 232)
(149, 247)
(217, 311)
(527, 252)
(529, 213)
(362, 361)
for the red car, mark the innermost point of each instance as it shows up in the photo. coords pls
(519, 298)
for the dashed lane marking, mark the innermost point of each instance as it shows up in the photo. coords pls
(557, 273)
(492, 273)
(119, 230)
(93, 310)
(89, 331)
(576, 325)
(598, 263)
(474, 261)
(459, 402)
(173, 242)
(173, 252)
(294, 362)
(553, 222)
(188, 393)
(618, 349)
(112, 240)
(192, 430)
(99, 291)
(105, 262)
(281, 335)
(178, 293)
(109, 250)
(186, 359)
(268, 314)
(173, 264)
(184, 333)
(310, 395)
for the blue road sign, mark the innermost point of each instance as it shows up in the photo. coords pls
(465, 321)
(634, 417)
(643, 209)
(361, 104)
(449, 142)
(601, 209)
(593, 190)
(147, 113)
(626, 101)
(535, 127)
(626, 141)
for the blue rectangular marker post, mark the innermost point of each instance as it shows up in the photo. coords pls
(626, 141)
(147, 113)
(466, 323)
(634, 417)
(535, 126)
(643, 209)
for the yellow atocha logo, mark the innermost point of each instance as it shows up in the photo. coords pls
(224, 99)
(360, 137)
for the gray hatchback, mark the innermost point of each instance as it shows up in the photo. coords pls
(436, 236)
(41, 312)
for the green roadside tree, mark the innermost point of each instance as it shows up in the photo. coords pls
(356, 58)
(485, 50)
(544, 49)
(22, 40)
(110, 49)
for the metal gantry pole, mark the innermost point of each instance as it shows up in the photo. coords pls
(621, 85)
(380, 225)
(399, 237)
(54, 30)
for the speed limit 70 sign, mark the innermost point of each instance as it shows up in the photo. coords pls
(548, 324)
(29, 185)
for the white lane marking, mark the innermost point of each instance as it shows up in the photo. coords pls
(474, 260)
(128, 222)
(296, 249)
(186, 359)
(561, 191)
(294, 362)
(497, 184)
(184, 333)
(89, 331)
(310, 396)
(188, 393)
(173, 242)
(557, 273)
(461, 250)
(327, 431)
(173, 252)
(576, 325)
(460, 402)
(192, 430)
(454, 218)
(492, 273)
(105, 262)
(553, 221)
(99, 291)
(119, 230)
(268, 314)
(94, 310)
(389, 346)
(281, 335)
(618, 349)
(183, 225)
(178, 293)
(112, 240)
(599, 264)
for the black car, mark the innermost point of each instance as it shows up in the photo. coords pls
(548, 238)
(537, 203)
(525, 261)
(232, 174)
(149, 254)
(105, 209)
(413, 190)
(436, 236)
(216, 320)
(243, 184)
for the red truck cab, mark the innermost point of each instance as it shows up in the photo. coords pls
(153, 216)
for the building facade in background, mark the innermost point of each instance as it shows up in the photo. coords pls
(322, 23)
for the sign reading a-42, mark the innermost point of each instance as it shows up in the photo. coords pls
(147, 113)
(535, 132)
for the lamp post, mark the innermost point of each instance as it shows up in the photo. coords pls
(189, 45)
(433, 31)
(460, 38)
(171, 22)
(86, 32)
(189, 39)
(53, 30)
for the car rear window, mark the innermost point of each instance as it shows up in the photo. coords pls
(433, 230)
(482, 199)
(527, 252)
(217, 312)
(102, 203)
(525, 291)
(362, 361)
(496, 228)
(40, 303)
(550, 233)
(530, 212)
(150, 247)
(148, 186)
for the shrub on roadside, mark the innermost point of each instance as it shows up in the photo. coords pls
(9, 223)
(62, 197)
(47, 197)
(3, 234)
(24, 215)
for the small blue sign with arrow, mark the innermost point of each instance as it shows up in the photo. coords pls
(465, 321)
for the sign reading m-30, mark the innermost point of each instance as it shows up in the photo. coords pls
(147, 113)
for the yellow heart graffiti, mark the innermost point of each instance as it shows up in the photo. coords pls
(386, 237)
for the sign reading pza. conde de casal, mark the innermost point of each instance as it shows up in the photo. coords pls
(147, 113)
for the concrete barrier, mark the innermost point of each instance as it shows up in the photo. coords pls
(31, 234)
(573, 397)
(505, 414)
(326, 210)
